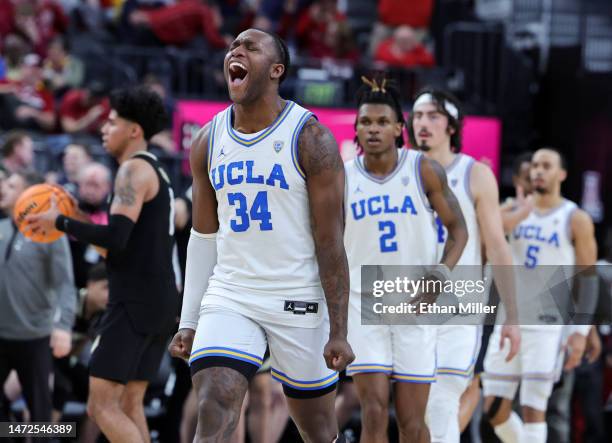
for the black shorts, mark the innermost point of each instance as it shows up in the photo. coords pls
(121, 354)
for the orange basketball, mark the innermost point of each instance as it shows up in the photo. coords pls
(37, 199)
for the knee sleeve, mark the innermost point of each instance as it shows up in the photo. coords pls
(511, 431)
(535, 432)
(443, 408)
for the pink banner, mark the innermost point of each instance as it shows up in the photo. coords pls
(481, 135)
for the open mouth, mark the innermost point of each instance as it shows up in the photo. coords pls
(237, 73)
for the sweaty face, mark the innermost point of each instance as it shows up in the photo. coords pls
(546, 172)
(12, 188)
(430, 127)
(116, 133)
(377, 128)
(250, 64)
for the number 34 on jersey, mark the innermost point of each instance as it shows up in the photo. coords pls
(248, 212)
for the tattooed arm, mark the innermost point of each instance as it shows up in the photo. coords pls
(136, 183)
(322, 164)
(444, 202)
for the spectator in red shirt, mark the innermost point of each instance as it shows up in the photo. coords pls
(84, 110)
(403, 50)
(27, 103)
(313, 26)
(180, 23)
(414, 13)
(7, 18)
(393, 13)
(40, 21)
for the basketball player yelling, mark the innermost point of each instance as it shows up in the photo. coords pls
(266, 265)
(435, 129)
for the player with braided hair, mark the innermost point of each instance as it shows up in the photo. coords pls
(390, 195)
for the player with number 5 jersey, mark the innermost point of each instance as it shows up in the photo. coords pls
(555, 235)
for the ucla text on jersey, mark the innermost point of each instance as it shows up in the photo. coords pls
(382, 204)
(239, 172)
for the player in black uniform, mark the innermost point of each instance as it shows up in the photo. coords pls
(142, 293)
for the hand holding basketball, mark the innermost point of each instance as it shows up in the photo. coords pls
(38, 207)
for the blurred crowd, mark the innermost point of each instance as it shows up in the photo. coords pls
(51, 87)
(51, 113)
(38, 70)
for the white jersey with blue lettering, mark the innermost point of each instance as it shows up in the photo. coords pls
(545, 238)
(265, 248)
(543, 251)
(458, 177)
(388, 220)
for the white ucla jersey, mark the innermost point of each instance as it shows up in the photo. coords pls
(388, 220)
(265, 248)
(458, 177)
(539, 244)
(544, 239)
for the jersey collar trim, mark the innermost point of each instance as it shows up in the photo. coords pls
(454, 163)
(550, 211)
(359, 161)
(265, 133)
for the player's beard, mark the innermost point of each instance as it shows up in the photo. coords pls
(540, 190)
(424, 147)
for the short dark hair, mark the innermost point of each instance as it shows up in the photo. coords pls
(440, 97)
(97, 272)
(12, 139)
(562, 159)
(283, 53)
(142, 106)
(524, 157)
(382, 91)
